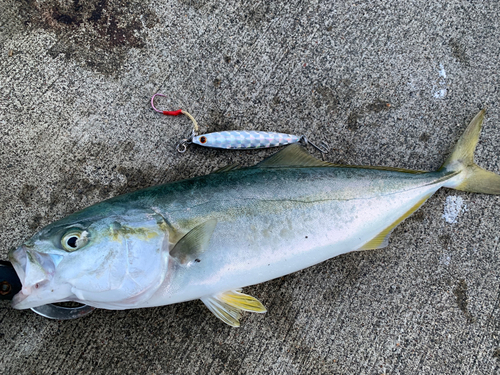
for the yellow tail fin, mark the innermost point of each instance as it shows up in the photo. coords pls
(474, 178)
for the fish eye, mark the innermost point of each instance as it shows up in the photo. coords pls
(203, 139)
(74, 239)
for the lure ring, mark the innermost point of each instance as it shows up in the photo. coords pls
(323, 147)
(182, 146)
(52, 311)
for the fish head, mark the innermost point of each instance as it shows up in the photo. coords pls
(114, 260)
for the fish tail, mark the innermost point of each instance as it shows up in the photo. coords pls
(471, 177)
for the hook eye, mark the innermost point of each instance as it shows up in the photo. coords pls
(182, 147)
(323, 147)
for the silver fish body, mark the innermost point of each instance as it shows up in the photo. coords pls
(208, 237)
(272, 222)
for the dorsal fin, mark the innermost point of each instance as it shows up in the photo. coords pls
(293, 156)
(227, 168)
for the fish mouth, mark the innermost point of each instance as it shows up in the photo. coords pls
(35, 270)
(17, 301)
(18, 258)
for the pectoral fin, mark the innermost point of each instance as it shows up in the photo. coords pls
(228, 306)
(194, 242)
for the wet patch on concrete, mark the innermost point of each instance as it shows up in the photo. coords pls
(35, 223)
(458, 51)
(418, 216)
(496, 354)
(424, 137)
(27, 194)
(218, 122)
(445, 240)
(325, 96)
(460, 293)
(378, 106)
(355, 116)
(96, 33)
(257, 14)
(352, 121)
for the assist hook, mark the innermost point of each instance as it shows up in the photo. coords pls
(182, 146)
(173, 113)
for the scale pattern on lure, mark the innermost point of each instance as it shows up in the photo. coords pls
(236, 139)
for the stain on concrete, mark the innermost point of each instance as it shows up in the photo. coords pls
(128, 146)
(35, 223)
(218, 121)
(424, 137)
(355, 116)
(26, 194)
(352, 121)
(72, 187)
(96, 33)
(378, 105)
(496, 354)
(324, 96)
(418, 216)
(254, 16)
(276, 101)
(458, 51)
(445, 240)
(223, 352)
(460, 293)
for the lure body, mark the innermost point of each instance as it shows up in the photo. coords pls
(236, 139)
(207, 237)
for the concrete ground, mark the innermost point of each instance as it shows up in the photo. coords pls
(383, 82)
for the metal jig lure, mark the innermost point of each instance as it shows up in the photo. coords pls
(237, 139)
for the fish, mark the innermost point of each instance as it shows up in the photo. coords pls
(210, 236)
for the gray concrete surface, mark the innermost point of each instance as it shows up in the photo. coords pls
(383, 82)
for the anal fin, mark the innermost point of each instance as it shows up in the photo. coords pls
(381, 240)
(228, 306)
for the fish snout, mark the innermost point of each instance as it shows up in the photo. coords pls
(34, 268)
(18, 259)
